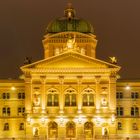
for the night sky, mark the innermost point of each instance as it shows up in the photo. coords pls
(116, 24)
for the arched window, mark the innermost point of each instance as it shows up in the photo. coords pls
(52, 97)
(70, 130)
(88, 129)
(88, 97)
(53, 130)
(70, 97)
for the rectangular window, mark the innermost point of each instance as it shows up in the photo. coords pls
(53, 100)
(21, 111)
(134, 126)
(6, 127)
(119, 126)
(88, 100)
(6, 111)
(120, 111)
(134, 111)
(6, 96)
(21, 126)
(21, 95)
(119, 95)
(134, 95)
(70, 99)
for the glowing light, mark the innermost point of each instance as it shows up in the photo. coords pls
(13, 88)
(79, 120)
(127, 87)
(42, 120)
(61, 120)
(29, 120)
(112, 118)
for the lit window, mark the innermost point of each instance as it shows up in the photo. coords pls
(119, 95)
(120, 111)
(70, 99)
(52, 97)
(52, 100)
(119, 126)
(88, 97)
(21, 126)
(6, 127)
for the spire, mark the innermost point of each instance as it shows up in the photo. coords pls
(69, 12)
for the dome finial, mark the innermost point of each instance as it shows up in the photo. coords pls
(69, 11)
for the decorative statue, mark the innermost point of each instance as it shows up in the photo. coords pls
(70, 42)
(105, 132)
(36, 100)
(36, 132)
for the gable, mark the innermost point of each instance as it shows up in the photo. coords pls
(70, 60)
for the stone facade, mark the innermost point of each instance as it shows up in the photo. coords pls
(70, 94)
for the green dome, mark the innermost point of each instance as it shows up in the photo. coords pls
(65, 24)
(69, 23)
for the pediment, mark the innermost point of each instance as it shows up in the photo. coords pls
(70, 60)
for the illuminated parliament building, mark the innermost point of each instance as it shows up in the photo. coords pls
(70, 94)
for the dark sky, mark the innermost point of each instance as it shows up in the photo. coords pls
(23, 23)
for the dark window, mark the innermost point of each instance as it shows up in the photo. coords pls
(134, 126)
(6, 111)
(21, 95)
(6, 127)
(119, 126)
(6, 95)
(134, 111)
(21, 126)
(134, 95)
(119, 95)
(120, 111)
(21, 110)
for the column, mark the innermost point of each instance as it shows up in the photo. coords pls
(112, 93)
(43, 95)
(79, 96)
(61, 95)
(28, 93)
(97, 102)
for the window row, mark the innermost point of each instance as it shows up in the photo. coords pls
(133, 112)
(70, 100)
(6, 111)
(7, 95)
(6, 126)
(134, 126)
(134, 95)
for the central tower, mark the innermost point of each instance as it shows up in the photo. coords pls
(69, 33)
